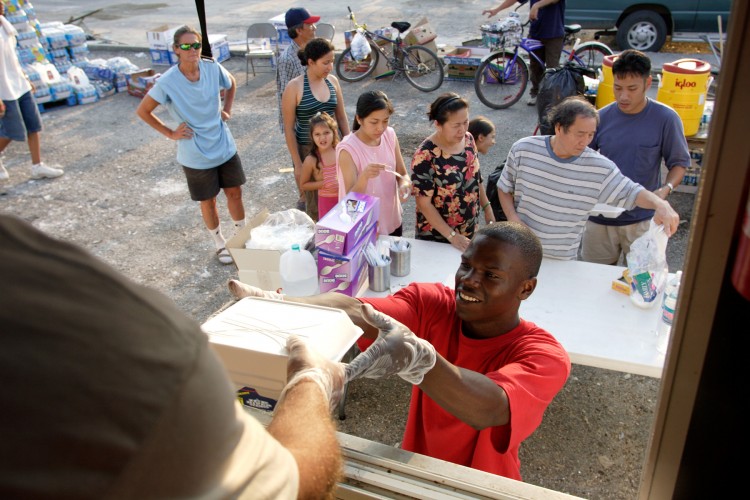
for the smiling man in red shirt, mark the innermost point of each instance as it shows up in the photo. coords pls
(482, 375)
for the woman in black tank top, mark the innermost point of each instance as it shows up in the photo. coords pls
(316, 90)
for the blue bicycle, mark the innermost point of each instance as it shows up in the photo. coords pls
(502, 76)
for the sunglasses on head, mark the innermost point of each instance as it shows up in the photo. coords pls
(188, 46)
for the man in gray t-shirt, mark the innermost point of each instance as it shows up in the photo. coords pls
(637, 133)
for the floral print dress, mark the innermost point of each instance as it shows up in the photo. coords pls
(452, 184)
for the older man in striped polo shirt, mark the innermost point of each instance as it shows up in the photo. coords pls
(551, 183)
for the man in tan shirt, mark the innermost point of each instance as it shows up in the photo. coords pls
(110, 391)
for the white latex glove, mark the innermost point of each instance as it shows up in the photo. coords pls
(397, 351)
(307, 364)
(241, 290)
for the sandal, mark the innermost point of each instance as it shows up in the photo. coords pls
(224, 256)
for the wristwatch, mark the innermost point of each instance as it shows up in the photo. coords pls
(450, 236)
(670, 186)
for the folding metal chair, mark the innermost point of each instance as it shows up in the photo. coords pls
(256, 32)
(325, 30)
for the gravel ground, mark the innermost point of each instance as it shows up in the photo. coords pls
(124, 199)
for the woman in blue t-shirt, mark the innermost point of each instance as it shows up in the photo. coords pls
(206, 150)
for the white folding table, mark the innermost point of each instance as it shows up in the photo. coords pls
(573, 300)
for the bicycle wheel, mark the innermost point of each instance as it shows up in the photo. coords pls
(351, 70)
(591, 55)
(422, 68)
(500, 81)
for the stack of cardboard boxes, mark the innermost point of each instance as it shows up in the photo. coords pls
(341, 237)
(283, 40)
(161, 40)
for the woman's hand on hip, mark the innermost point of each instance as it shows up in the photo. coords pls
(182, 132)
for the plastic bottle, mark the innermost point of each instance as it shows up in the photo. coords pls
(668, 306)
(299, 272)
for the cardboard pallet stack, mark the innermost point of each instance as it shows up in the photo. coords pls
(47, 51)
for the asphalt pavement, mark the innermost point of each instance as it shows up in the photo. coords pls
(120, 29)
(126, 24)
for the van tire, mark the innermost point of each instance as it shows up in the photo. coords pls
(643, 30)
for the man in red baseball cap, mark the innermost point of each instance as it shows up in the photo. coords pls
(301, 28)
(296, 16)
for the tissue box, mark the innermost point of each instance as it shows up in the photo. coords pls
(345, 267)
(348, 287)
(250, 338)
(340, 230)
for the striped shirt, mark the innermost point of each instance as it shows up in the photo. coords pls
(307, 108)
(553, 195)
(330, 179)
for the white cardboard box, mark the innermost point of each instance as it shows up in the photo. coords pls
(250, 338)
(161, 37)
(279, 22)
(255, 267)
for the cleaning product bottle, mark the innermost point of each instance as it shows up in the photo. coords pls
(668, 307)
(299, 272)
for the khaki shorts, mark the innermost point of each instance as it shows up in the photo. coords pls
(604, 244)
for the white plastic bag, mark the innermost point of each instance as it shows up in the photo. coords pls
(647, 263)
(360, 47)
(78, 78)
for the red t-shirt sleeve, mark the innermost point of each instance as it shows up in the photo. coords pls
(531, 377)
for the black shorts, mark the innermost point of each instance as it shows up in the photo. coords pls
(205, 184)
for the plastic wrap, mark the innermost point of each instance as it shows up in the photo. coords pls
(283, 229)
(647, 263)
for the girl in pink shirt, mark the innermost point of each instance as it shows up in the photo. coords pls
(319, 171)
(369, 158)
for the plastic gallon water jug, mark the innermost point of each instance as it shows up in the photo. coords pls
(299, 273)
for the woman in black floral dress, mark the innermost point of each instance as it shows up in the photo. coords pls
(447, 183)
